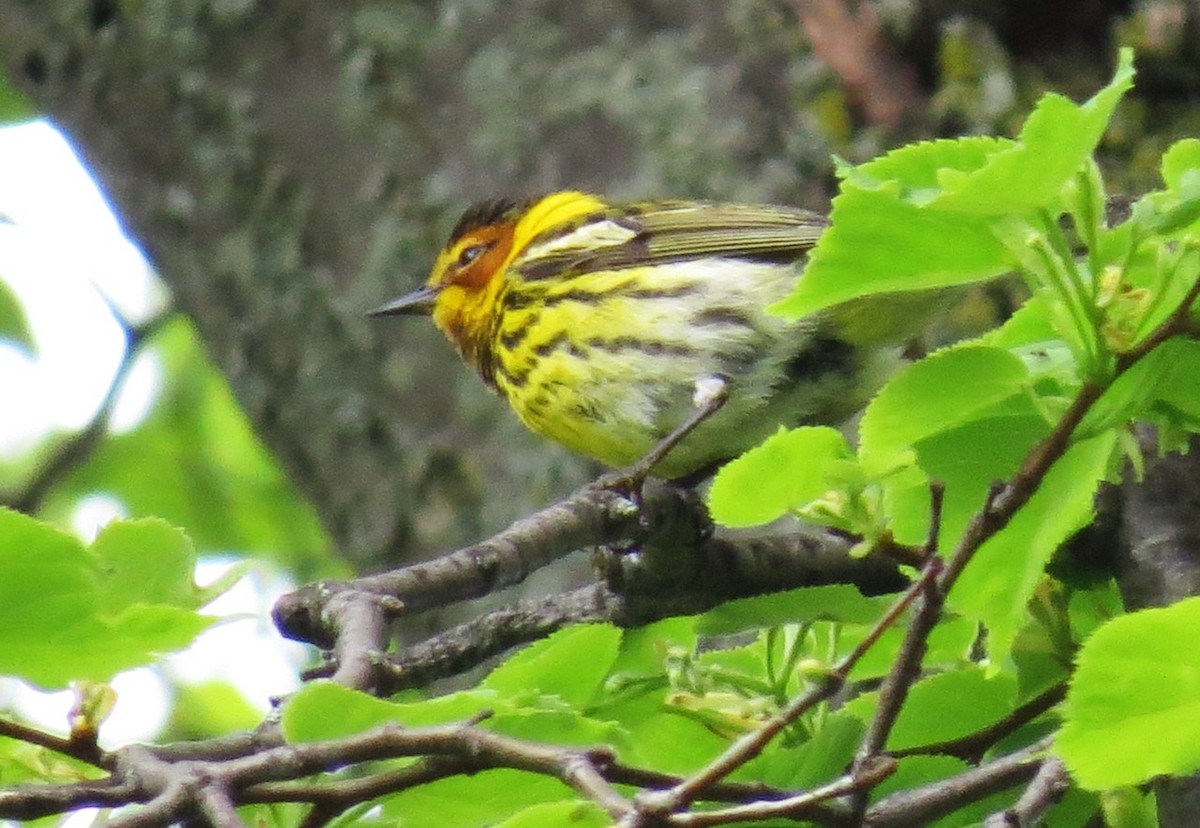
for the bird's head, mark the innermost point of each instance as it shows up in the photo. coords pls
(469, 277)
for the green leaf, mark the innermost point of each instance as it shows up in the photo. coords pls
(659, 736)
(60, 617)
(1076, 809)
(878, 244)
(223, 582)
(24, 762)
(790, 469)
(950, 705)
(1039, 660)
(838, 602)
(49, 580)
(997, 585)
(968, 418)
(14, 326)
(1180, 159)
(1166, 374)
(145, 561)
(821, 758)
(559, 727)
(1133, 708)
(915, 771)
(324, 710)
(1129, 808)
(474, 801)
(1177, 210)
(1177, 393)
(210, 708)
(949, 646)
(96, 648)
(574, 813)
(922, 216)
(1030, 324)
(571, 665)
(1057, 139)
(967, 459)
(945, 390)
(914, 172)
(644, 649)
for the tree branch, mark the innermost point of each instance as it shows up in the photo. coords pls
(1047, 788)
(921, 806)
(680, 567)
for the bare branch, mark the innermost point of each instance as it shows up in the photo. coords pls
(218, 807)
(924, 805)
(793, 807)
(679, 566)
(467, 645)
(1047, 788)
(363, 624)
(24, 803)
(588, 517)
(84, 751)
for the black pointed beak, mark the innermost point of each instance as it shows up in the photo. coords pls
(419, 302)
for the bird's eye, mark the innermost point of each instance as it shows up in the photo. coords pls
(470, 254)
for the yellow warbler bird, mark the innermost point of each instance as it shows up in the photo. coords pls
(598, 322)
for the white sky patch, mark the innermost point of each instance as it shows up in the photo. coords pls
(246, 651)
(65, 257)
(93, 513)
(138, 394)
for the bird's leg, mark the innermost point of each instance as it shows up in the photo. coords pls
(710, 395)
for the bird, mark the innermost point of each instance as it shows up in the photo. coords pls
(606, 325)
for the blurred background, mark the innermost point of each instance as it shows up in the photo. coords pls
(185, 337)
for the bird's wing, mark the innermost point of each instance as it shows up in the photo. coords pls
(661, 232)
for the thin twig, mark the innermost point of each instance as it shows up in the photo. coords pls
(793, 807)
(25, 803)
(921, 806)
(1047, 788)
(83, 751)
(217, 806)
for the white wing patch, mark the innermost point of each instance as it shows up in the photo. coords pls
(588, 237)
